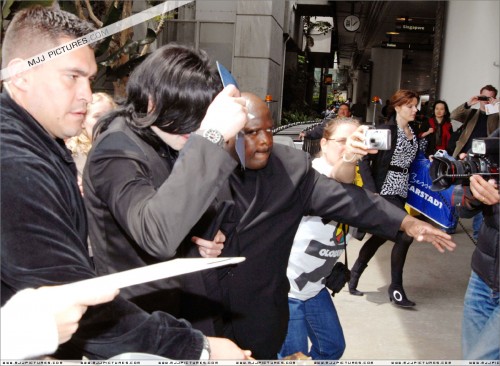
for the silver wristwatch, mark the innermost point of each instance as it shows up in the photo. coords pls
(213, 136)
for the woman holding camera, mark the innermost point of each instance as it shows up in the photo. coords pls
(387, 173)
(316, 248)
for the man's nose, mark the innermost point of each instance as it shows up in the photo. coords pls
(264, 138)
(85, 92)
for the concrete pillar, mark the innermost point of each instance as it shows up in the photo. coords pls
(360, 84)
(471, 50)
(258, 50)
(386, 78)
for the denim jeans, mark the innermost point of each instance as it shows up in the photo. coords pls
(317, 319)
(477, 221)
(481, 321)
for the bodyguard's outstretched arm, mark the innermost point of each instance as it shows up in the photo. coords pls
(425, 232)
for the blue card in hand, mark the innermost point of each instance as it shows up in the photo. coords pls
(228, 79)
(225, 75)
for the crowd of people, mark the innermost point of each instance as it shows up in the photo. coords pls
(156, 171)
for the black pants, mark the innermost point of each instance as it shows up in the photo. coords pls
(399, 251)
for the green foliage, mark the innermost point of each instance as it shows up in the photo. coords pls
(320, 27)
(9, 7)
(131, 48)
(118, 59)
(112, 16)
(288, 117)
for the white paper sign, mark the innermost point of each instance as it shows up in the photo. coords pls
(492, 108)
(155, 272)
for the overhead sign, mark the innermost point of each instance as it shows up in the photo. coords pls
(415, 27)
(408, 46)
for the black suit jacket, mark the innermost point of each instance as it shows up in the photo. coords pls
(255, 292)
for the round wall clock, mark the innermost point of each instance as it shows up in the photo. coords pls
(351, 23)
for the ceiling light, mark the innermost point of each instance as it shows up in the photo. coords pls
(392, 33)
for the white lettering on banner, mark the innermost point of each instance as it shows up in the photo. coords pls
(426, 196)
(414, 180)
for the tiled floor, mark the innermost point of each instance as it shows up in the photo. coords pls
(375, 329)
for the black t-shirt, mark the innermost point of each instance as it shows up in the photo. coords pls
(480, 130)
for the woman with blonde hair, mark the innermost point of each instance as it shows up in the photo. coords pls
(316, 248)
(80, 145)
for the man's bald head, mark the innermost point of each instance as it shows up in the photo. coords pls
(258, 132)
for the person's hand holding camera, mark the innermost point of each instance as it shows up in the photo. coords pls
(484, 191)
(480, 98)
(356, 147)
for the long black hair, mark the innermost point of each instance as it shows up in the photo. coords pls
(446, 117)
(179, 82)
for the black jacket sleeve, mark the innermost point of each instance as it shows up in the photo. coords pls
(157, 219)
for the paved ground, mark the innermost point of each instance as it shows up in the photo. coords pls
(377, 330)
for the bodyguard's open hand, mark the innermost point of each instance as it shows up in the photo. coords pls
(227, 113)
(423, 232)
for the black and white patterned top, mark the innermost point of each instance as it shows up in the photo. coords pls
(396, 182)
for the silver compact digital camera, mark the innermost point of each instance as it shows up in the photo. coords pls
(378, 139)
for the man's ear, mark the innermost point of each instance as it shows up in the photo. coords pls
(151, 105)
(19, 78)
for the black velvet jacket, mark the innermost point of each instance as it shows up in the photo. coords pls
(44, 242)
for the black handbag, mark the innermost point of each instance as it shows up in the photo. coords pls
(340, 274)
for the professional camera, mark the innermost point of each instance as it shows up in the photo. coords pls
(483, 160)
(378, 139)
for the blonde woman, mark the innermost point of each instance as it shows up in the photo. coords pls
(80, 145)
(316, 248)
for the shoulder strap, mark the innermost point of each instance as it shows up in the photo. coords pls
(345, 229)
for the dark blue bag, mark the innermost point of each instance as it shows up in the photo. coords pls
(435, 205)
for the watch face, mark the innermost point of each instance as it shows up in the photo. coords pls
(214, 136)
(351, 23)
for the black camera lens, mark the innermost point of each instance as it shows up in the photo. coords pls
(446, 171)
